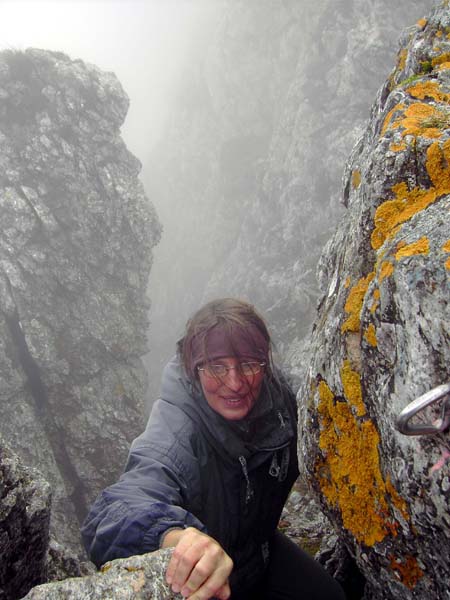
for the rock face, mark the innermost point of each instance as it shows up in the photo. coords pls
(24, 526)
(138, 577)
(382, 335)
(75, 253)
(254, 154)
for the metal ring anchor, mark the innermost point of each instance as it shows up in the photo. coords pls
(404, 426)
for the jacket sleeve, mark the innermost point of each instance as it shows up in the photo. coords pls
(130, 516)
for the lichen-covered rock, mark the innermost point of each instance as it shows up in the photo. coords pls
(24, 526)
(61, 563)
(138, 577)
(382, 334)
(75, 253)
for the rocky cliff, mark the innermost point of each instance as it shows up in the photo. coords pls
(381, 337)
(253, 156)
(75, 252)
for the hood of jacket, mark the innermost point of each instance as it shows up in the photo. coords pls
(270, 425)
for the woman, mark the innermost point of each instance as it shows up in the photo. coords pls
(212, 471)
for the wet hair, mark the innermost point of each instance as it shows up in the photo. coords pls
(236, 323)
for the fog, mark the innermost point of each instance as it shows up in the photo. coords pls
(142, 41)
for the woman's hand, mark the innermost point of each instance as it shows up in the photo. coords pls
(199, 567)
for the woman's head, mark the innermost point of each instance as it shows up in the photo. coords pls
(226, 347)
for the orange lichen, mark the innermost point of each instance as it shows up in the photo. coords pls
(442, 58)
(407, 569)
(422, 246)
(447, 264)
(397, 147)
(376, 301)
(354, 303)
(352, 388)
(371, 336)
(401, 62)
(347, 282)
(356, 179)
(396, 499)
(386, 270)
(428, 89)
(419, 119)
(439, 34)
(421, 23)
(349, 474)
(446, 246)
(437, 164)
(390, 115)
(443, 66)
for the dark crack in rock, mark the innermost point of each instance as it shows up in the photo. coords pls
(382, 333)
(24, 526)
(75, 254)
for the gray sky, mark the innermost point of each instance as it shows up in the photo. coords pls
(142, 41)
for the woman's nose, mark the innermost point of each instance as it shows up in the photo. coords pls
(233, 380)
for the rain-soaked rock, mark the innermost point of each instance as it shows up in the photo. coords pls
(24, 526)
(138, 577)
(75, 254)
(382, 334)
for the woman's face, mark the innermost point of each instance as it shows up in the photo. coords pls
(233, 395)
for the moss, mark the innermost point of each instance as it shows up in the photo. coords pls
(426, 66)
(422, 246)
(349, 474)
(354, 303)
(407, 570)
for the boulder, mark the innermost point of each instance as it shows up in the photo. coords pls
(24, 526)
(75, 254)
(381, 336)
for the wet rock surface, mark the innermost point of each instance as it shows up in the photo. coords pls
(138, 577)
(382, 334)
(75, 254)
(24, 526)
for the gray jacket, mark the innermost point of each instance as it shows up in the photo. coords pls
(192, 467)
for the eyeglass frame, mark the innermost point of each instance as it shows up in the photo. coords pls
(238, 367)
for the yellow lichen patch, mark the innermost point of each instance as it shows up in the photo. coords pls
(349, 474)
(386, 270)
(420, 119)
(397, 147)
(443, 66)
(428, 89)
(352, 388)
(371, 336)
(390, 115)
(422, 246)
(438, 161)
(442, 58)
(347, 282)
(421, 23)
(393, 213)
(439, 34)
(446, 246)
(402, 56)
(376, 301)
(447, 264)
(356, 179)
(407, 570)
(354, 303)
(396, 499)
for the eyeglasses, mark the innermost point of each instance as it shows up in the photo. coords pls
(247, 369)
